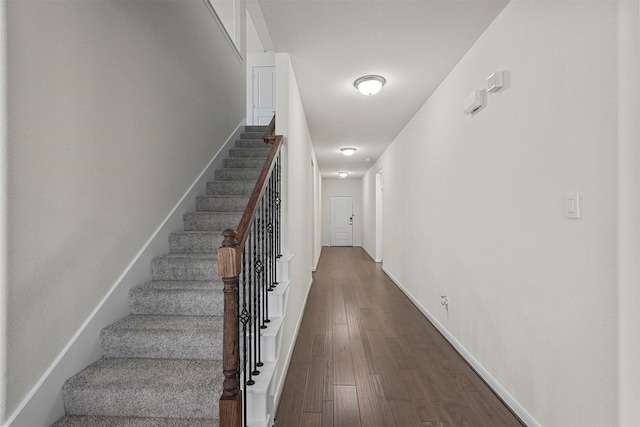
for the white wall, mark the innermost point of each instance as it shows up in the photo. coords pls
(368, 216)
(298, 204)
(476, 208)
(342, 187)
(114, 109)
(629, 210)
(3, 213)
(318, 216)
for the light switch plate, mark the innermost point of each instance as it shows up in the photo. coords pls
(572, 205)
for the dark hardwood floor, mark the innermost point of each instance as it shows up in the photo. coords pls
(365, 356)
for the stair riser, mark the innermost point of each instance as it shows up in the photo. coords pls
(259, 397)
(181, 303)
(251, 135)
(82, 421)
(195, 243)
(184, 269)
(277, 299)
(240, 174)
(249, 152)
(252, 143)
(229, 188)
(162, 344)
(210, 221)
(195, 298)
(143, 403)
(221, 204)
(256, 128)
(246, 162)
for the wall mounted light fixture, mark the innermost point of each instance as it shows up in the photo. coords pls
(348, 151)
(369, 85)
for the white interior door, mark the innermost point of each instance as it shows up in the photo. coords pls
(264, 94)
(341, 221)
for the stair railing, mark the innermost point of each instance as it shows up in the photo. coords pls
(247, 265)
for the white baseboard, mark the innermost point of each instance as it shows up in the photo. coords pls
(43, 405)
(509, 400)
(289, 354)
(371, 255)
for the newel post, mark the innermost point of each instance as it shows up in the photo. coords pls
(229, 269)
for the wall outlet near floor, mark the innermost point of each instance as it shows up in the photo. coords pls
(444, 301)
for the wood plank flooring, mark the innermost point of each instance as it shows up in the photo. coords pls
(365, 356)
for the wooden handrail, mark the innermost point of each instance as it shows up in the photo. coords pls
(270, 134)
(258, 192)
(229, 260)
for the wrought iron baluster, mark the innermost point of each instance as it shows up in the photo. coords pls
(278, 205)
(244, 319)
(248, 332)
(265, 257)
(256, 308)
(274, 222)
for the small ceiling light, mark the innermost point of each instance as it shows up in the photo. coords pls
(348, 151)
(343, 174)
(369, 85)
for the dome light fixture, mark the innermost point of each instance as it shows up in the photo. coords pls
(348, 151)
(343, 174)
(369, 85)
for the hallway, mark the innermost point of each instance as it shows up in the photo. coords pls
(365, 356)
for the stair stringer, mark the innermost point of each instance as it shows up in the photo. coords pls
(260, 397)
(43, 405)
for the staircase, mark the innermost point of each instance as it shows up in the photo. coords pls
(162, 365)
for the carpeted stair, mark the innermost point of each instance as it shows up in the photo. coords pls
(161, 365)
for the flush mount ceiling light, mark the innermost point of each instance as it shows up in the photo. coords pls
(369, 85)
(343, 174)
(348, 151)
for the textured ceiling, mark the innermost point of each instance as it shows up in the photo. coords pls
(414, 44)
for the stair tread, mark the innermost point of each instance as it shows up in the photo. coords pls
(216, 233)
(178, 297)
(146, 387)
(215, 213)
(164, 337)
(164, 323)
(227, 196)
(218, 181)
(140, 374)
(213, 256)
(181, 288)
(105, 421)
